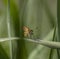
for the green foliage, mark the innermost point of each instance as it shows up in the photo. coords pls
(38, 15)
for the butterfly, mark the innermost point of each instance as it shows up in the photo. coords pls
(27, 31)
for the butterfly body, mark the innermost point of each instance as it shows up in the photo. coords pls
(27, 31)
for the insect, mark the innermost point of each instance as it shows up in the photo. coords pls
(27, 31)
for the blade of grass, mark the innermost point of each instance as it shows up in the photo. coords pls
(18, 23)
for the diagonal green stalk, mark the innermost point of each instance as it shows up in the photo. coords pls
(58, 53)
(51, 51)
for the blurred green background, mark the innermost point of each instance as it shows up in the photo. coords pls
(38, 15)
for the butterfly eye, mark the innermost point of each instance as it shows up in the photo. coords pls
(31, 32)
